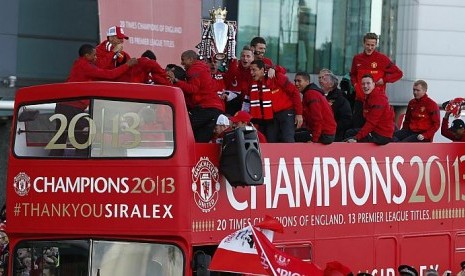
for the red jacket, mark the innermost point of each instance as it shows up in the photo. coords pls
(106, 58)
(422, 116)
(231, 78)
(243, 78)
(219, 84)
(284, 94)
(83, 70)
(269, 64)
(318, 114)
(199, 87)
(379, 116)
(446, 132)
(376, 64)
(147, 70)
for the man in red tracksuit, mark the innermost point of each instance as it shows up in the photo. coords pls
(200, 91)
(376, 64)
(258, 45)
(110, 52)
(148, 71)
(318, 115)
(84, 69)
(422, 117)
(379, 116)
(275, 104)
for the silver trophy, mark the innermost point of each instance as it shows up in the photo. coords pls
(218, 37)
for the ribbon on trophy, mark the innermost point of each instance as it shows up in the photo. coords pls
(218, 37)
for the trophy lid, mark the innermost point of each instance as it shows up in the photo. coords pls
(218, 13)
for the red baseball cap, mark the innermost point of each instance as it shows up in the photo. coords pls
(116, 31)
(241, 116)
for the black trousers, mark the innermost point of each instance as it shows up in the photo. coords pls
(203, 122)
(372, 137)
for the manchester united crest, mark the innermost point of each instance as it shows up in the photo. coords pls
(22, 184)
(205, 184)
(374, 65)
(281, 260)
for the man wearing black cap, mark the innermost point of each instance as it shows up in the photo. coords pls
(455, 131)
(406, 270)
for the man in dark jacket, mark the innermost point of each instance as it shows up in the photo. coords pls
(200, 91)
(340, 105)
(318, 115)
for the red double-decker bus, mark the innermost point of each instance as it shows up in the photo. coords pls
(129, 192)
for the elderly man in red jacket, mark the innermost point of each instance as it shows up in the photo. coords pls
(422, 117)
(200, 91)
(379, 116)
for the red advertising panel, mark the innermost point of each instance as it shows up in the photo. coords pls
(382, 202)
(166, 27)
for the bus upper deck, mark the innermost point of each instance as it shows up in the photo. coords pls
(129, 180)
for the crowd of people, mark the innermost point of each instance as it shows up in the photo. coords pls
(356, 109)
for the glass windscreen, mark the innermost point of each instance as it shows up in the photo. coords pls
(96, 258)
(94, 128)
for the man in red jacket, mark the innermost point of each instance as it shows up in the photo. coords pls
(375, 63)
(318, 115)
(379, 116)
(84, 69)
(200, 91)
(422, 117)
(110, 52)
(456, 131)
(258, 46)
(148, 71)
(275, 104)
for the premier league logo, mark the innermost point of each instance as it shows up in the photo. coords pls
(205, 184)
(22, 184)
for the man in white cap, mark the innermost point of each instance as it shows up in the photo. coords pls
(222, 125)
(110, 52)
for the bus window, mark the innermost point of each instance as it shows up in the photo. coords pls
(130, 258)
(105, 128)
(95, 257)
(51, 258)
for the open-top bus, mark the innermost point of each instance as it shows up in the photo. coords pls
(129, 192)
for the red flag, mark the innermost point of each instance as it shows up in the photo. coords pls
(237, 252)
(455, 106)
(277, 262)
(336, 266)
(271, 223)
